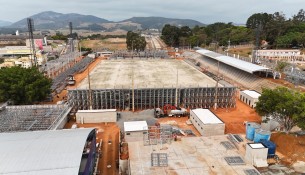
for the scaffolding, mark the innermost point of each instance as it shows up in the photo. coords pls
(32, 117)
(158, 135)
(150, 98)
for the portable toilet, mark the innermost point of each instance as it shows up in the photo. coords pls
(250, 130)
(261, 134)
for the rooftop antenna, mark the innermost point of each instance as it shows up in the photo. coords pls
(31, 39)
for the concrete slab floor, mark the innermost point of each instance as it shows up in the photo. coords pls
(150, 73)
(191, 155)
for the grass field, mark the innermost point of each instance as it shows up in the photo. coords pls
(110, 44)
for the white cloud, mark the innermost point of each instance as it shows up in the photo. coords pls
(208, 11)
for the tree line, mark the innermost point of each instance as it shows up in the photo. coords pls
(275, 28)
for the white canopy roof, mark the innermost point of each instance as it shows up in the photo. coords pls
(240, 64)
(53, 152)
(252, 94)
(206, 116)
(135, 126)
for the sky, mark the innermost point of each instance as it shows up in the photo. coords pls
(205, 11)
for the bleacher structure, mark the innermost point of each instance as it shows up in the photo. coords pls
(150, 98)
(236, 77)
(32, 117)
(141, 54)
(295, 76)
(60, 81)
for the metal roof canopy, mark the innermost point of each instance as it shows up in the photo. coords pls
(53, 152)
(239, 64)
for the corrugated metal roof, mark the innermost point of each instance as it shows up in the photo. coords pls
(206, 116)
(53, 152)
(135, 126)
(239, 64)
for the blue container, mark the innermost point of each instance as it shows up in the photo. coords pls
(250, 130)
(261, 134)
(270, 145)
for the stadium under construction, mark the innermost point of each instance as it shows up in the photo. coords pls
(136, 84)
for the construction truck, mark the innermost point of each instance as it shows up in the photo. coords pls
(71, 80)
(170, 111)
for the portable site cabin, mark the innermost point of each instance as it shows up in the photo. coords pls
(135, 130)
(249, 97)
(256, 154)
(96, 116)
(206, 122)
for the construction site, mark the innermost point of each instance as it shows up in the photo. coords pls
(134, 87)
(137, 84)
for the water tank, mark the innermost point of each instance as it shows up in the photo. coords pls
(261, 134)
(270, 145)
(250, 130)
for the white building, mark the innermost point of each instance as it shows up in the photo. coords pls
(256, 154)
(249, 97)
(284, 55)
(206, 122)
(135, 130)
(96, 116)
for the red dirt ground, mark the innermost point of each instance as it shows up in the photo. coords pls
(110, 152)
(290, 146)
(234, 118)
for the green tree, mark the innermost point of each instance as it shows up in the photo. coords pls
(170, 35)
(23, 86)
(135, 42)
(283, 105)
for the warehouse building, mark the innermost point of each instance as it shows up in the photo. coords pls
(206, 122)
(249, 97)
(53, 152)
(135, 130)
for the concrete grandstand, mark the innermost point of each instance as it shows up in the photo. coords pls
(148, 83)
(240, 73)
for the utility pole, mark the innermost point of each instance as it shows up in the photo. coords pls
(176, 99)
(216, 87)
(90, 91)
(132, 89)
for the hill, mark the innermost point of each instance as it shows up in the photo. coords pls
(159, 22)
(54, 20)
(4, 23)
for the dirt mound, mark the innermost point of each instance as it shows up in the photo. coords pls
(291, 146)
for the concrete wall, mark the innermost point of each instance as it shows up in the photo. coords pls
(207, 129)
(96, 117)
(134, 136)
(247, 99)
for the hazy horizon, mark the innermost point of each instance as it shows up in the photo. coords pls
(205, 12)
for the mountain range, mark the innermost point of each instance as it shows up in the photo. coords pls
(54, 20)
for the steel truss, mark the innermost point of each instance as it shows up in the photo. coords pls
(149, 98)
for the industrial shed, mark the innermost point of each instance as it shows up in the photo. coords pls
(96, 116)
(206, 122)
(55, 152)
(249, 97)
(135, 130)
